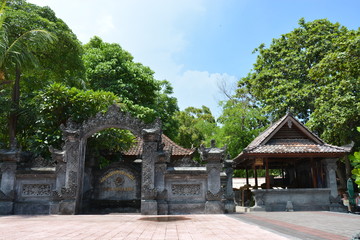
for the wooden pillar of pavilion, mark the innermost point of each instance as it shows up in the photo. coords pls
(247, 176)
(256, 178)
(313, 173)
(267, 173)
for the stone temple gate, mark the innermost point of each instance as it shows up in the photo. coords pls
(166, 187)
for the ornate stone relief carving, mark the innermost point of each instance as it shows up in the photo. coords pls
(214, 196)
(114, 117)
(58, 156)
(36, 190)
(185, 189)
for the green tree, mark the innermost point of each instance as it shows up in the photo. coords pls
(62, 62)
(280, 78)
(336, 113)
(241, 121)
(196, 126)
(111, 68)
(355, 158)
(16, 55)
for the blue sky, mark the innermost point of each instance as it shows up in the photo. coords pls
(196, 44)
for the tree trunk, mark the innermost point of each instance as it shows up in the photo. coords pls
(13, 116)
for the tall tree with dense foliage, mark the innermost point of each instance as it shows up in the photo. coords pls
(314, 70)
(60, 62)
(337, 105)
(111, 68)
(280, 78)
(17, 54)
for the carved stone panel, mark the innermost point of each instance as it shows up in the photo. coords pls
(185, 189)
(117, 184)
(36, 190)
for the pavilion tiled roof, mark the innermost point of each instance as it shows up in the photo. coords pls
(170, 146)
(288, 136)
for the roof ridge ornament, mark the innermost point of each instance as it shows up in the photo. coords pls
(289, 123)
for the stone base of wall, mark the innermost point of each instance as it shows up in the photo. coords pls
(6, 207)
(304, 199)
(149, 207)
(163, 208)
(186, 208)
(67, 207)
(31, 208)
(214, 207)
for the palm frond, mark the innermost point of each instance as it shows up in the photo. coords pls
(20, 51)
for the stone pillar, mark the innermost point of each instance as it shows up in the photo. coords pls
(8, 164)
(213, 157)
(330, 168)
(69, 192)
(60, 170)
(160, 170)
(229, 193)
(152, 139)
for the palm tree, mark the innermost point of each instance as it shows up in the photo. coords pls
(15, 55)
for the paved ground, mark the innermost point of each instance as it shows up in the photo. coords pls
(284, 225)
(305, 225)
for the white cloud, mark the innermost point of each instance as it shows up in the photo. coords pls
(153, 32)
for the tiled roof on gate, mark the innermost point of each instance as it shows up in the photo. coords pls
(170, 146)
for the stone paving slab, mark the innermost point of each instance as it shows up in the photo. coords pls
(253, 225)
(306, 225)
(131, 227)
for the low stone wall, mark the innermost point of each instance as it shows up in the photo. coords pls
(34, 193)
(304, 199)
(186, 190)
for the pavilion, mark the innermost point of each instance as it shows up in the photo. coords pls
(307, 167)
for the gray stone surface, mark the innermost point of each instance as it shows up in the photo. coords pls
(149, 207)
(214, 207)
(307, 199)
(31, 208)
(186, 208)
(330, 167)
(6, 207)
(67, 207)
